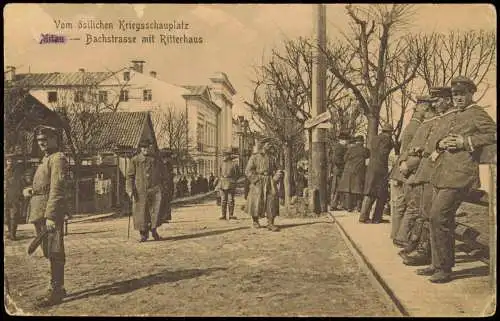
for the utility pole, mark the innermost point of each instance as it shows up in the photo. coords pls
(317, 168)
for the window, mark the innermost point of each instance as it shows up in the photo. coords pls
(200, 137)
(126, 75)
(103, 96)
(52, 96)
(123, 95)
(147, 95)
(79, 96)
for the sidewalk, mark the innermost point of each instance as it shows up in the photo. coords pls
(468, 294)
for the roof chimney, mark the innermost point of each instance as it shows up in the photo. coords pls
(152, 73)
(138, 65)
(81, 70)
(10, 73)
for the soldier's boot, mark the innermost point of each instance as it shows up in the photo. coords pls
(155, 234)
(441, 276)
(255, 222)
(56, 292)
(427, 271)
(364, 216)
(144, 236)
(231, 210)
(223, 210)
(270, 224)
(422, 254)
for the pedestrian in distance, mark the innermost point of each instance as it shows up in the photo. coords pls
(353, 177)
(229, 174)
(13, 192)
(336, 169)
(264, 175)
(376, 189)
(145, 186)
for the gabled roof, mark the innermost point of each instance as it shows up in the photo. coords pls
(113, 129)
(63, 78)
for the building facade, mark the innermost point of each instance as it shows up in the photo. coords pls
(194, 119)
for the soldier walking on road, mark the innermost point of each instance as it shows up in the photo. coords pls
(416, 166)
(13, 194)
(228, 176)
(376, 176)
(353, 177)
(48, 206)
(398, 180)
(337, 167)
(145, 179)
(456, 173)
(263, 175)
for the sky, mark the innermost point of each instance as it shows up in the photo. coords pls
(235, 37)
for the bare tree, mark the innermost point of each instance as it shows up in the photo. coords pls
(360, 61)
(170, 126)
(466, 53)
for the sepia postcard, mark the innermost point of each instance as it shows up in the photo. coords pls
(332, 160)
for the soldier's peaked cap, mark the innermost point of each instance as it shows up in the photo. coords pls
(227, 151)
(463, 83)
(359, 138)
(440, 92)
(344, 136)
(43, 131)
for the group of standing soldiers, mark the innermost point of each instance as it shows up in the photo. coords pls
(353, 184)
(437, 167)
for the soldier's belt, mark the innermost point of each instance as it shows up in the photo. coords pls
(39, 194)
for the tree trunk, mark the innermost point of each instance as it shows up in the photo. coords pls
(372, 130)
(288, 172)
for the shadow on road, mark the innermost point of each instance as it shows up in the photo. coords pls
(87, 232)
(127, 286)
(472, 272)
(208, 233)
(285, 226)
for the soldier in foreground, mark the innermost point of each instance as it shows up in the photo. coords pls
(418, 168)
(263, 175)
(398, 180)
(456, 173)
(48, 207)
(13, 193)
(228, 176)
(376, 188)
(144, 185)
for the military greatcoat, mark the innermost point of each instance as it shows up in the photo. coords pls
(262, 199)
(377, 170)
(145, 177)
(48, 200)
(353, 176)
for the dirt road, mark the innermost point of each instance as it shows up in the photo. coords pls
(203, 267)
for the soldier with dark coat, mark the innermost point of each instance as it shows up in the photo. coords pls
(376, 176)
(13, 192)
(353, 177)
(48, 206)
(144, 185)
(455, 173)
(227, 183)
(336, 169)
(415, 164)
(398, 180)
(263, 175)
(211, 180)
